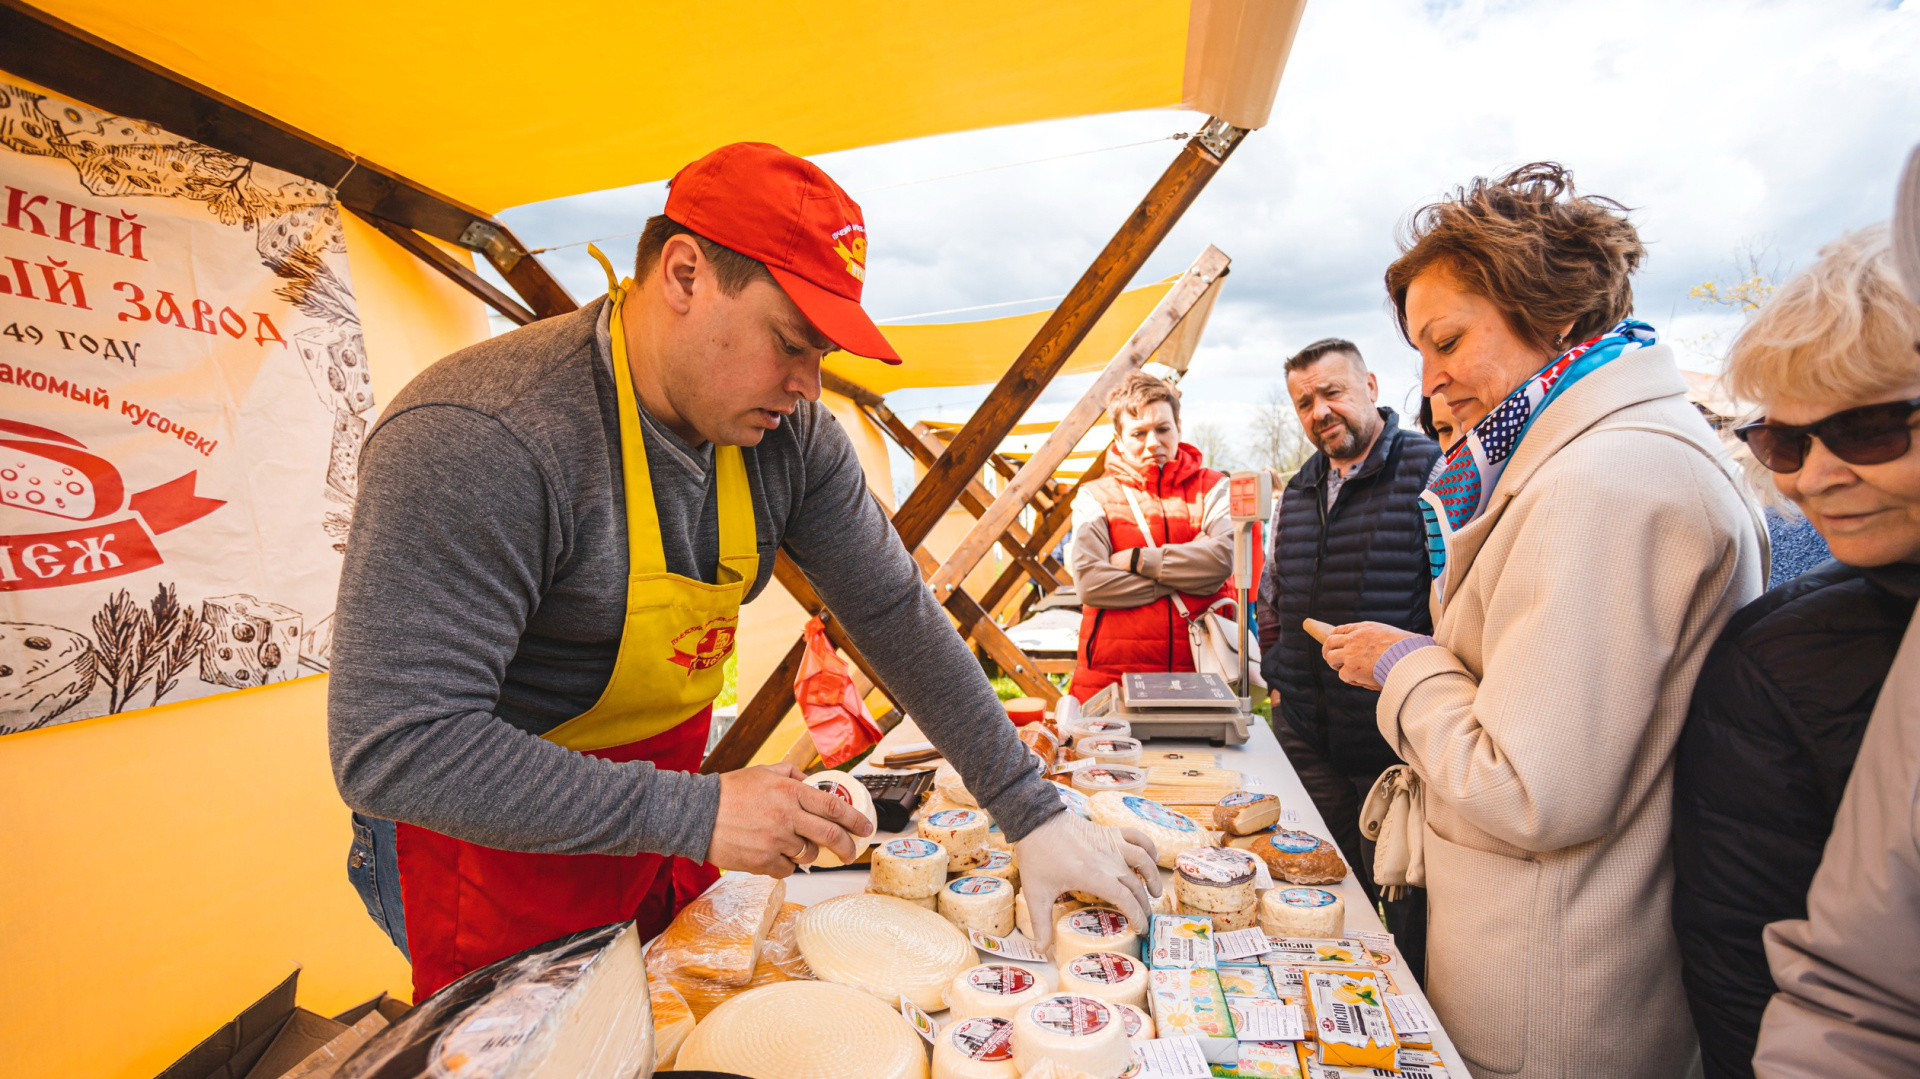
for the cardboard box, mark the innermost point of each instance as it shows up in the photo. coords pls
(275, 1038)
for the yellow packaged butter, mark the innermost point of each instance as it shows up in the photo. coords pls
(1350, 1021)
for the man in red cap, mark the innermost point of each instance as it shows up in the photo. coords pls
(554, 533)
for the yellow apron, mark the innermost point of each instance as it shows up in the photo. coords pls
(679, 631)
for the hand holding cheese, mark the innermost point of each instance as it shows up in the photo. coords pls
(1353, 649)
(772, 822)
(1069, 853)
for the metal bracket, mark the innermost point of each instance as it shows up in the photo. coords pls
(1219, 137)
(491, 242)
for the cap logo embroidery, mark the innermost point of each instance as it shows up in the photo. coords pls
(852, 250)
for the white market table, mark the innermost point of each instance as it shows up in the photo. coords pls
(1263, 767)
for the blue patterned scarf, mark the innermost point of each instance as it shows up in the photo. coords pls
(1463, 482)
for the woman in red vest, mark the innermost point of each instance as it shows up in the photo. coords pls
(1152, 542)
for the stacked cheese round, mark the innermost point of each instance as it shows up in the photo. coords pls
(1218, 882)
(1171, 831)
(1300, 858)
(1093, 929)
(1246, 812)
(976, 1048)
(963, 832)
(1111, 749)
(997, 989)
(1110, 778)
(979, 902)
(1109, 976)
(908, 868)
(1302, 912)
(884, 945)
(1076, 1031)
(999, 863)
(805, 1030)
(854, 793)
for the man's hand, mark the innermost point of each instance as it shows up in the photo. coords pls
(1070, 853)
(1354, 648)
(1121, 560)
(771, 822)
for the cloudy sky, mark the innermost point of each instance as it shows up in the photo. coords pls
(1730, 127)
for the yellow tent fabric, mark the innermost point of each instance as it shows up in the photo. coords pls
(501, 102)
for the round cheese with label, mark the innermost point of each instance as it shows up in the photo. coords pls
(963, 832)
(1110, 976)
(1300, 858)
(983, 903)
(1076, 1031)
(884, 945)
(804, 1030)
(1209, 879)
(1100, 727)
(1118, 778)
(999, 863)
(1302, 912)
(1227, 921)
(998, 989)
(1111, 749)
(909, 868)
(854, 793)
(1138, 1023)
(980, 1047)
(1246, 812)
(1170, 830)
(1093, 929)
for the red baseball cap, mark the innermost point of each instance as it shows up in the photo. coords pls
(783, 211)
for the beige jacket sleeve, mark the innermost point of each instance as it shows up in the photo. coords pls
(1196, 567)
(1607, 577)
(1849, 973)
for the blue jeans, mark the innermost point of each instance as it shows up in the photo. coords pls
(373, 865)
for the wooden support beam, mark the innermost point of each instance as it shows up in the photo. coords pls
(96, 72)
(461, 275)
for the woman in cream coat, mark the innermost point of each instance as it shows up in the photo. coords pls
(1590, 539)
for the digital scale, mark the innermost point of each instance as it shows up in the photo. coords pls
(1174, 704)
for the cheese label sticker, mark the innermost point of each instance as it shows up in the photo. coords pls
(1306, 897)
(977, 885)
(1002, 978)
(953, 818)
(911, 848)
(835, 788)
(998, 859)
(1115, 775)
(1215, 865)
(1072, 1015)
(983, 1038)
(1240, 798)
(1408, 1016)
(1154, 813)
(1097, 922)
(1134, 1020)
(1014, 946)
(1075, 802)
(922, 1022)
(1107, 967)
(1293, 842)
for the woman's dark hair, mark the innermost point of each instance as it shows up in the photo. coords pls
(1426, 419)
(1543, 254)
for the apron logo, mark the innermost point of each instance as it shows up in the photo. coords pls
(704, 646)
(852, 250)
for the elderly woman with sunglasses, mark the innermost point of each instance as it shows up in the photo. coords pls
(1590, 538)
(1782, 703)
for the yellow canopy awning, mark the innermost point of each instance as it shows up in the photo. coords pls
(502, 102)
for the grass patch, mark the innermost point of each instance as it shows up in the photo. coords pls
(730, 692)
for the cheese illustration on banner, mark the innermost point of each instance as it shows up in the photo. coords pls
(976, 1048)
(1172, 832)
(994, 989)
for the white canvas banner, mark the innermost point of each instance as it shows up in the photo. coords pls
(183, 394)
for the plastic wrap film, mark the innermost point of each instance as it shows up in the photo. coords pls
(780, 961)
(714, 943)
(673, 1020)
(572, 1008)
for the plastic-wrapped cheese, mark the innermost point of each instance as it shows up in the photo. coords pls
(1079, 1032)
(946, 780)
(1138, 1023)
(1109, 976)
(854, 793)
(999, 863)
(909, 868)
(963, 832)
(672, 1020)
(1214, 879)
(884, 945)
(1093, 929)
(996, 989)
(1110, 779)
(975, 902)
(980, 1047)
(805, 1030)
(1171, 831)
(1110, 749)
(1302, 912)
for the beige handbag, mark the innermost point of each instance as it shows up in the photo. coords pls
(1395, 818)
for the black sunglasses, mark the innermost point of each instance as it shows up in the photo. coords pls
(1869, 435)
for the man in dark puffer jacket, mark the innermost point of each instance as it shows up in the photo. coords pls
(1777, 716)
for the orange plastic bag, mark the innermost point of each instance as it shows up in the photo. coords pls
(841, 726)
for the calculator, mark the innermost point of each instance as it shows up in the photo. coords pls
(896, 795)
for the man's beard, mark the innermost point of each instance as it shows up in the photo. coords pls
(1342, 442)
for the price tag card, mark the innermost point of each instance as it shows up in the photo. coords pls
(1289, 816)
(1011, 946)
(921, 1021)
(1407, 1015)
(1241, 944)
(1373, 940)
(1257, 1020)
(1172, 1058)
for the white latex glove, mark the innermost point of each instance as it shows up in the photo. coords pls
(1070, 853)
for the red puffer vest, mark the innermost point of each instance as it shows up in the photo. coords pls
(1154, 637)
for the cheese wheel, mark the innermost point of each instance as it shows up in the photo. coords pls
(997, 989)
(1115, 778)
(854, 793)
(1212, 879)
(805, 1030)
(1227, 921)
(909, 868)
(1023, 913)
(1109, 976)
(963, 832)
(980, 1047)
(975, 902)
(672, 1020)
(1025, 710)
(1111, 749)
(1079, 1032)
(1138, 1023)
(999, 863)
(1300, 858)
(1093, 929)
(884, 945)
(1302, 912)
(946, 780)
(1246, 812)
(1171, 831)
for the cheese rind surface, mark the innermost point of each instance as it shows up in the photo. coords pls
(1093, 929)
(979, 1047)
(909, 868)
(1302, 912)
(1246, 812)
(978, 902)
(1170, 830)
(963, 832)
(805, 1030)
(1079, 1032)
(1213, 879)
(1109, 976)
(884, 945)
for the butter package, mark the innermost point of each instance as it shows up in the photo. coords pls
(1246, 980)
(1189, 1003)
(1182, 942)
(1270, 1060)
(1349, 1014)
(1413, 1064)
(1290, 981)
(1308, 951)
